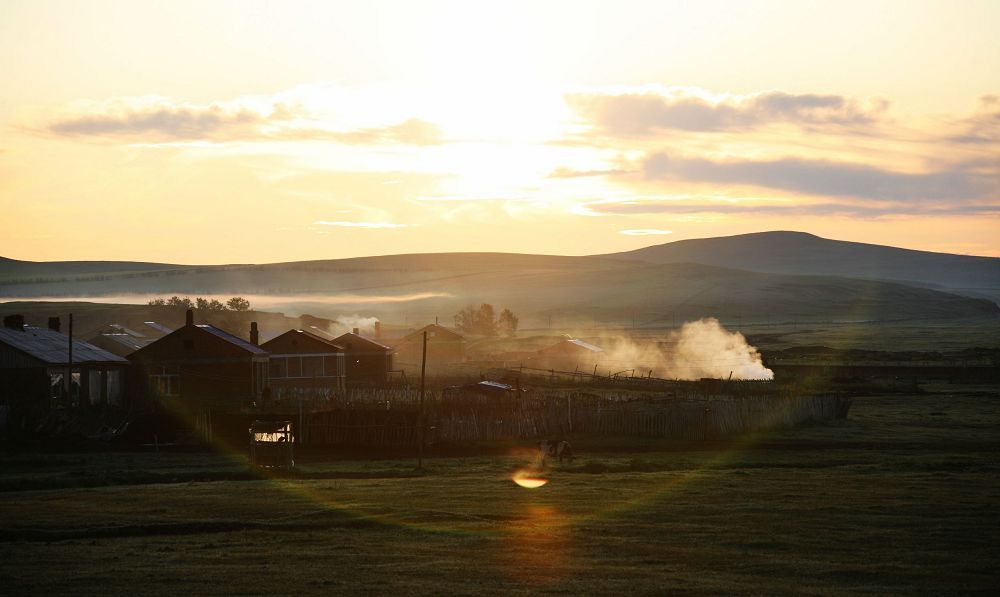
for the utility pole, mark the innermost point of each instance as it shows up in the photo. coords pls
(69, 363)
(420, 417)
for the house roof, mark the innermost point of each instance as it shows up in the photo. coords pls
(158, 327)
(126, 340)
(274, 344)
(433, 330)
(211, 329)
(52, 348)
(353, 342)
(572, 344)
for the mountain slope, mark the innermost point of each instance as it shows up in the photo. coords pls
(801, 253)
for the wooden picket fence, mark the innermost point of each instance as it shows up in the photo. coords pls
(391, 418)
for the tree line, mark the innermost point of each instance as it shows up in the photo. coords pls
(237, 303)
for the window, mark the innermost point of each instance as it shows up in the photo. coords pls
(279, 367)
(165, 381)
(312, 366)
(294, 367)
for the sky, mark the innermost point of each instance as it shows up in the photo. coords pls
(251, 132)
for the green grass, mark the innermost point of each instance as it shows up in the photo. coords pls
(900, 498)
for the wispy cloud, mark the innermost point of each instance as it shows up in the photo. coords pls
(828, 178)
(371, 225)
(645, 232)
(983, 127)
(686, 109)
(685, 207)
(255, 119)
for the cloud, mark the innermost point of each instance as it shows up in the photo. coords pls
(250, 120)
(563, 172)
(370, 225)
(677, 207)
(410, 132)
(645, 232)
(685, 109)
(828, 178)
(983, 127)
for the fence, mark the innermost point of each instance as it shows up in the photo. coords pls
(392, 418)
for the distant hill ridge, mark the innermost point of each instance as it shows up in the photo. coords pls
(786, 252)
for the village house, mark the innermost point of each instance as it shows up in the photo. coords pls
(444, 347)
(368, 362)
(202, 366)
(34, 363)
(305, 364)
(570, 354)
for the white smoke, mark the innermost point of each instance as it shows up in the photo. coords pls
(698, 349)
(346, 323)
(706, 349)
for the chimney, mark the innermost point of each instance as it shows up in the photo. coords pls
(357, 331)
(54, 324)
(189, 318)
(254, 334)
(435, 320)
(378, 330)
(14, 322)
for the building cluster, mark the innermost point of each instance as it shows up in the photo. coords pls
(201, 366)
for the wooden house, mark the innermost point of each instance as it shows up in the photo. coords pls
(444, 347)
(568, 355)
(367, 361)
(35, 362)
(202, 366)
(304, 364)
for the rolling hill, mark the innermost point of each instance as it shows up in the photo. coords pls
(801, 253)
(568, 291)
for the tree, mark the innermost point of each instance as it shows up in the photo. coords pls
(482, 320)
(201, 304)
(238, 303)
(157, 302)
(507, 322)
(176, 301)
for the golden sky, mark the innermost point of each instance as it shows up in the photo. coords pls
(212, 132)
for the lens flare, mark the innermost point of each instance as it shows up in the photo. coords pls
(528, 479)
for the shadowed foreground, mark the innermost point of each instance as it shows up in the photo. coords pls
(900, 498)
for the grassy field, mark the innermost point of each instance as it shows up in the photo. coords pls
(900, 498)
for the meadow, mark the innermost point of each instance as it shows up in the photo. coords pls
(899, 498)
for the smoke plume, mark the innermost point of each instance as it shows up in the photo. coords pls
(706, 349)
(698, 349)
(346, 323)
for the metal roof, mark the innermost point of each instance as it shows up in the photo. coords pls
(158, 327)
(211, 329)
(126, 340)
(586, 345)
(52, 348)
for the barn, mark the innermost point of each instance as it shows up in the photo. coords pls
(33, 366)
(201, 366)
(368, 362)
(303, 363)
(444, 347)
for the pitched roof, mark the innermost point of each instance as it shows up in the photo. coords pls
(52, 348)
(351, 341)
(571, 344)
(158, 327)
(126, 340)
(211, 329)
(273, 345)
(433, 331)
